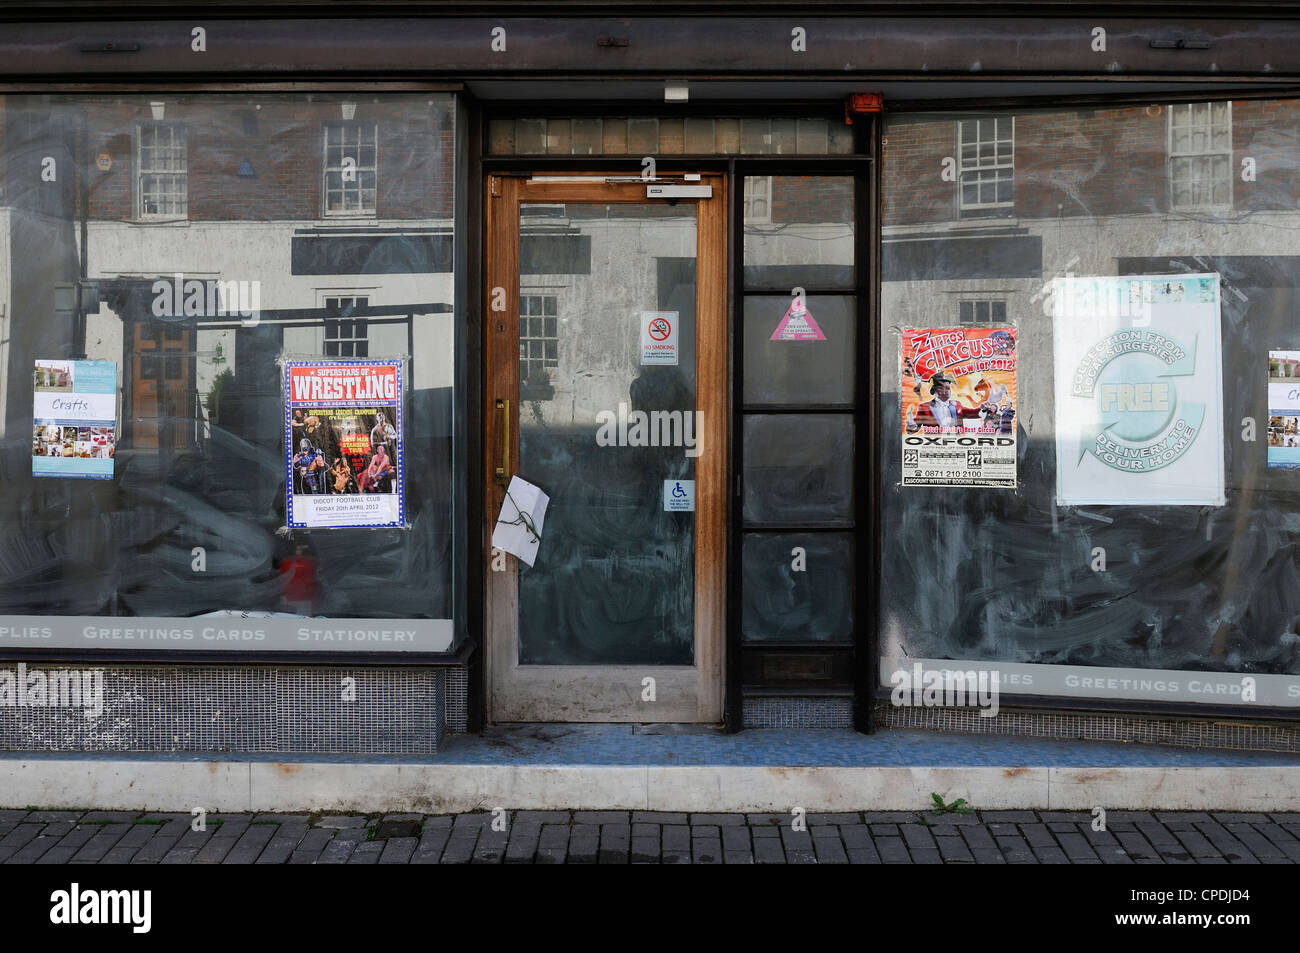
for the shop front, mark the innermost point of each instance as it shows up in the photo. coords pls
(368, 380)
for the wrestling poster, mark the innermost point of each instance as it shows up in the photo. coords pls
(1139, 390)
(344, 457)
(958, 388)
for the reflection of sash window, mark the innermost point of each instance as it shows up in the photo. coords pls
(345, 336)
(162, 189)
(350, 168)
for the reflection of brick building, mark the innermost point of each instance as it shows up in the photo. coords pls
(327, 215)
(1092, 162)
(811, 198)
(330, 206)
(995, 204)
(266, 161)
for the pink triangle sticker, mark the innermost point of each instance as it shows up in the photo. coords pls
(797, 325)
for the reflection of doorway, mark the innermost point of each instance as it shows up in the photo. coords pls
(163, 396)
(621, 616)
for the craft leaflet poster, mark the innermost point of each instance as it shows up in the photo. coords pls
(344, 456)
(74, 419)
(1139, 390)
(958, 389)
(1284, 409)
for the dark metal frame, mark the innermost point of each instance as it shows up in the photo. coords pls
(869, 253)
(1047, 41)
(467, 452)
(148, 9)
(855, 668)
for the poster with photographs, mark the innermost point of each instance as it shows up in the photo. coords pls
(344, 458)
(1284, 409)
(74, 419)
(958, 390)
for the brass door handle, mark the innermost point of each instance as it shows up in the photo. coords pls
(503, 471)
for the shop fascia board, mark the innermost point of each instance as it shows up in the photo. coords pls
(680, 48)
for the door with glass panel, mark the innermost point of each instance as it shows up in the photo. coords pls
(605, 388)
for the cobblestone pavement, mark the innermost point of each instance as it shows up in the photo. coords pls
(620, 837)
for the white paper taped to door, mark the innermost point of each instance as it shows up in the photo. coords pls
(518, 530)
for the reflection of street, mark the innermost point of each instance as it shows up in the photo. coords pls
(615, 584)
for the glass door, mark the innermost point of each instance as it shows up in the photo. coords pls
(606, 390)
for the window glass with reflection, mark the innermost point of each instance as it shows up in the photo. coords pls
(1153, 597)
(318, 228)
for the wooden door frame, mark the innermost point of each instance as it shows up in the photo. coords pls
(618, 701)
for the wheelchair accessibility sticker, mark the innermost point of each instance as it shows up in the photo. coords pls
(679, 496)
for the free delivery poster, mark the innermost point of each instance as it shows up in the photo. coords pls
(1139, 390)
(344, 454)
(958, 389)
(74, 419)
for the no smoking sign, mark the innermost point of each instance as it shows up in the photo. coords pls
(658, 337)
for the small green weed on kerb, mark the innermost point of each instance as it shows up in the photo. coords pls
(956, 807)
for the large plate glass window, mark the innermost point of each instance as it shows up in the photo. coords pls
(185, 252)
(1147, 551)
